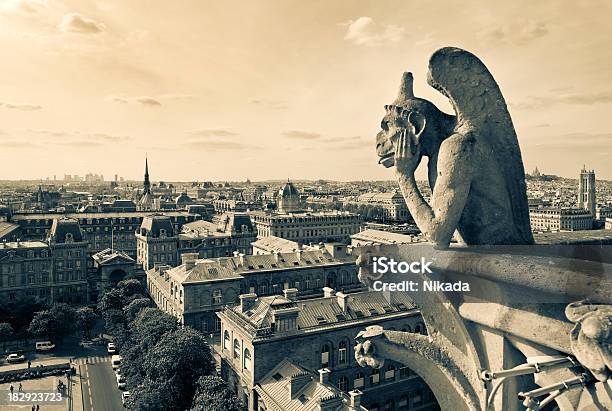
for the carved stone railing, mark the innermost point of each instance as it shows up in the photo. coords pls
(513, 316)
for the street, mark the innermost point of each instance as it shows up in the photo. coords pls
(100, 392)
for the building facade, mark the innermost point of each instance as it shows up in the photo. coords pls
(319, 334)
(198, 288)
(586, 190)
(560, 219)
(157, 242)
(308, 227)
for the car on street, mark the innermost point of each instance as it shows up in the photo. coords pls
(44, 346)
(15, 358)
(115, 361)
(111, 348)
(121, 383)
(124, 396)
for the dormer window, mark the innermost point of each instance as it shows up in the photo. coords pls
(69, 238)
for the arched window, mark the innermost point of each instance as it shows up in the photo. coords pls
(343, 384)
(325, 355)
(359, 380)
(236, 348)
(375, 377)
(226, 340)
(246, 363)
(342, 352)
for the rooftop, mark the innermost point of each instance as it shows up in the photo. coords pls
(308, 392)
(327, 310)
(575, 237)
(272, 243)
(382, 237)
(22, 244)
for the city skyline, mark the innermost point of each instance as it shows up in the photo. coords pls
(97, 84)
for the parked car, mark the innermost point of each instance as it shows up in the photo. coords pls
(124, 396)
(121, 383)
(15, 358)
(44, 346)
(115, 361)
(111, 348)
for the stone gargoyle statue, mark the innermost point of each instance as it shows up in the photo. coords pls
(591, 338)
(475, 168)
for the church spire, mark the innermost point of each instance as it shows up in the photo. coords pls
(147, 183)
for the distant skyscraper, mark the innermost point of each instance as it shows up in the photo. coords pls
(586, 190)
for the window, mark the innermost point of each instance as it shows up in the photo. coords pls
(217, 297)
(404, 372)
(325, 355)
(343, 384)
(226, 340)
(417, 398)
(236, 348)
(403, 403)
(390, 373)
(375, 377)
(389, 405)
(359, 380)
(246, 363)
(342, 352)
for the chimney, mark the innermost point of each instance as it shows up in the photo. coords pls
(242, 260)
(324, 375)
(235, 253)
(328, 292)
(355, 400)
(297, 382)
(291, 293)
(342, 300)
(276, 255)
(247, 301)
(189, 259)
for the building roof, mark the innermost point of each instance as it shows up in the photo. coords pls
(23, 244)
(381, 197)
(108, 256)
(575, 237)
(272, 243)
(65, 230)
(114, 214)
(236, 223)
(288, 190)
(223, 268)
(382, 237)
(325, 311)
(308, 391)
(152, 225)
(7, 228)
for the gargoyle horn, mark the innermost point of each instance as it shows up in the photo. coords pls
(406, 91)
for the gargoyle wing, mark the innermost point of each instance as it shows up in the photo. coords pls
(479, 104)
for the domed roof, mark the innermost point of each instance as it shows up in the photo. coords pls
(288, 190)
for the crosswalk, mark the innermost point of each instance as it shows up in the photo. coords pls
(99, 359)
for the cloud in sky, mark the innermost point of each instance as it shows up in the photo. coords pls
(213, 132)
(218, 145)
(587, 98)
(270, 104)
(366, 32)
(75, 23)
(517, 33)
(143, 100)
(20, 106)
(300, 135)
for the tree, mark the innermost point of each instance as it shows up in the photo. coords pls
(180, 358)
(19, 313)
(6, 331)
(134, 307)
(130, 287)
(150, 325)
(213, 394)
(153, 396)
(86, 319)
(57, 322)
(111, 300)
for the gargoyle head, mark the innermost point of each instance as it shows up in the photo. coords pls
(429, 124)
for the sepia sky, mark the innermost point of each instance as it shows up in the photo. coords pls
(215, 90)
